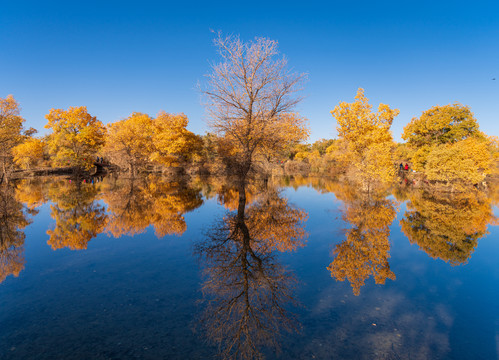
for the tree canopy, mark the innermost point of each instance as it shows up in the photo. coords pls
(250, 98)
(366, 138)
(11, 126)
(448, 146)
(76, 136)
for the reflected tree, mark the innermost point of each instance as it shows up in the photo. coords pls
(31, 193)
(78, 217)
(133, 205)
(365, 251)
(247, 289)
(12, 221)
(447, 226)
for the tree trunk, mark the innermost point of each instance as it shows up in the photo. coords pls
(4, 175)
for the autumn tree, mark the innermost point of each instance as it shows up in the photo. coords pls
(367, 138)
(11, 126)
(76, 137)
(172, 142)
(448, 146)
(28, 153)
(140, 140)
(250, 98)
(129, 141)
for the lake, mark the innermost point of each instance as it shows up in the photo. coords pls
(287, 267)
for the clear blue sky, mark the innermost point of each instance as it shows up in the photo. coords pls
(117, 57)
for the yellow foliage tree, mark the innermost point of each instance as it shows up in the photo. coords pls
(129, 141)
(367, 138)
(11, 125)
(448, 146)
(28, 153)
(172, 142)
(468, 160)
(76, 137)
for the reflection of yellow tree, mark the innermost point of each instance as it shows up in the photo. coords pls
(273, 222)
(134, 205)
(30, 192)
(78, 218)
(447, 227)
(365, 251)
(12, 221)
(248, 289)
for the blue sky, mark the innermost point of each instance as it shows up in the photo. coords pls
(117, 57)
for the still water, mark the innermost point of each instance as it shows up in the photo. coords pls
(288, 268)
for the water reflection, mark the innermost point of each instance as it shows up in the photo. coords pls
(447, 226)
(78, 216)
(12, 221)
(135, 204)
(366, 248)
(247, 289)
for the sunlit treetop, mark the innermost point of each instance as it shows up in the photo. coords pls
(442, 124)
(11, 125)
(76, 137)
(359, 125)
(365, 146)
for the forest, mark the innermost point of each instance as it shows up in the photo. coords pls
(251, 97)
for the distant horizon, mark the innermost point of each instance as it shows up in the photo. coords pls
(125, 58)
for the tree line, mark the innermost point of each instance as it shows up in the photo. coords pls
(250, 97)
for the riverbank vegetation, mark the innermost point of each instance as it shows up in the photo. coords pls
(250, 99)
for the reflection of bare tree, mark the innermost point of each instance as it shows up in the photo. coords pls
(447, 227)
(247, 288)
(365, 251)
(12, 221)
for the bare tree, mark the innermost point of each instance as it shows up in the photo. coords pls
(250, 95)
